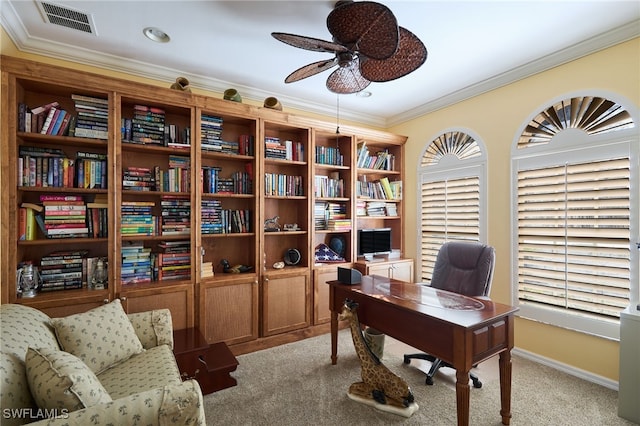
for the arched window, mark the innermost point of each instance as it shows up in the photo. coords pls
(452, 205)
(575, 202)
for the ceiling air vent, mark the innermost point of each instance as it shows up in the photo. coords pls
(66, 17)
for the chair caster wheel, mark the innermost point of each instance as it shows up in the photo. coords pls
(407, 360)
(429, 381)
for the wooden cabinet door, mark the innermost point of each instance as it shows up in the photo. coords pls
(402, 271)
(321, 311)
(178, 299)
(229, 310)
(285, 300)
(382, 269)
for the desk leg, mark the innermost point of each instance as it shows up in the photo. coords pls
(334, 337)
(505, 386)
(462, 397)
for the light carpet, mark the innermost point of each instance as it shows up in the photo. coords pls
(295, 384)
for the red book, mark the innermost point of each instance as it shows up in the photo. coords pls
(52, 197)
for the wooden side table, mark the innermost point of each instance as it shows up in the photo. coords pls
(210, 365)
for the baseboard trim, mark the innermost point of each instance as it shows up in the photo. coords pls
(565, 368)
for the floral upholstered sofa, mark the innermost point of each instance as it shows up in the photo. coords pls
(98, 367)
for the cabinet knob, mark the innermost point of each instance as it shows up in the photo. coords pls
(105, 301)
(266, 280)
(123, 299)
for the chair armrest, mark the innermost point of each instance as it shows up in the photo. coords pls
(154, 328)
(180, 404)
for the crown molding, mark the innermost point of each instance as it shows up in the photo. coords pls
(576, 51)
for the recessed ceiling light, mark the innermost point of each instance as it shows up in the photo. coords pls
(156, 34)
(363, 94)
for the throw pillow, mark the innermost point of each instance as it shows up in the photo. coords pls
(59, 380)
(101, 337)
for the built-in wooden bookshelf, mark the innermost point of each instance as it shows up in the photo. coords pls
(176, 205)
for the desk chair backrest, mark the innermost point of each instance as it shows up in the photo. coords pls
(464, 268)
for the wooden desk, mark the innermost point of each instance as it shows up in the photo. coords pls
(460, 330)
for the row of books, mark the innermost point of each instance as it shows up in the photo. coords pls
(64, 270)
(331, 216)
(92, 119)
(211, 136)
(339, 225)
(381, 160)
(244, 146)
(216, 220)
(147, 126)
(138, 179)
(173, 261)
(210, 131)
(380, 189)
(329, 155)
(176, 179)
(137, 218)
(89, 120)
(238, 183)
(141, 265)
(176, 215)
(173, 135)
(63, 216)
(135, 263)
(283, 185)
(328, 186)
(287, 150)
(376, 208)
(48, 119)
(50, 167)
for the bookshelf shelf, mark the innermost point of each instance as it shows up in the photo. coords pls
(61, 140)
(320, 166)
(231, 235)
(362, 171)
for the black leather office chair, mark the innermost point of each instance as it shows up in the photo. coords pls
(464, 268)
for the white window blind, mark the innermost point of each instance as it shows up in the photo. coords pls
(450, 210)
(574, 237)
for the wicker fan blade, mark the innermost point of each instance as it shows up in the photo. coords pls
(309, 70)
(309, 43)
(347, 79)
(366, 27)
(410, 56)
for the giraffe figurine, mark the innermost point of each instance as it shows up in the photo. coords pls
(379, 386)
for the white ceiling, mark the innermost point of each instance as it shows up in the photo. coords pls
(473, 46)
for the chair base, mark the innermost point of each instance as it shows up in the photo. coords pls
(436, 364)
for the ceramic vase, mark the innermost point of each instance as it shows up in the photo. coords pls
(273, 103)
(232, 95)
(181, 84)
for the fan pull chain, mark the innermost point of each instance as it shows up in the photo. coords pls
(337, 116)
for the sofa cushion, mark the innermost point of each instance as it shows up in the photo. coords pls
(153, 368)
(59, 380)
(20, 327)
(154, 328)
(101, 337)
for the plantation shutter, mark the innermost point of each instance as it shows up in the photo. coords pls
(450, 211)
(574, 237)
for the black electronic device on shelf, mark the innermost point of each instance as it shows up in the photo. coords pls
(373, 242)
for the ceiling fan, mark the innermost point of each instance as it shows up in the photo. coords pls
(368, 45)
